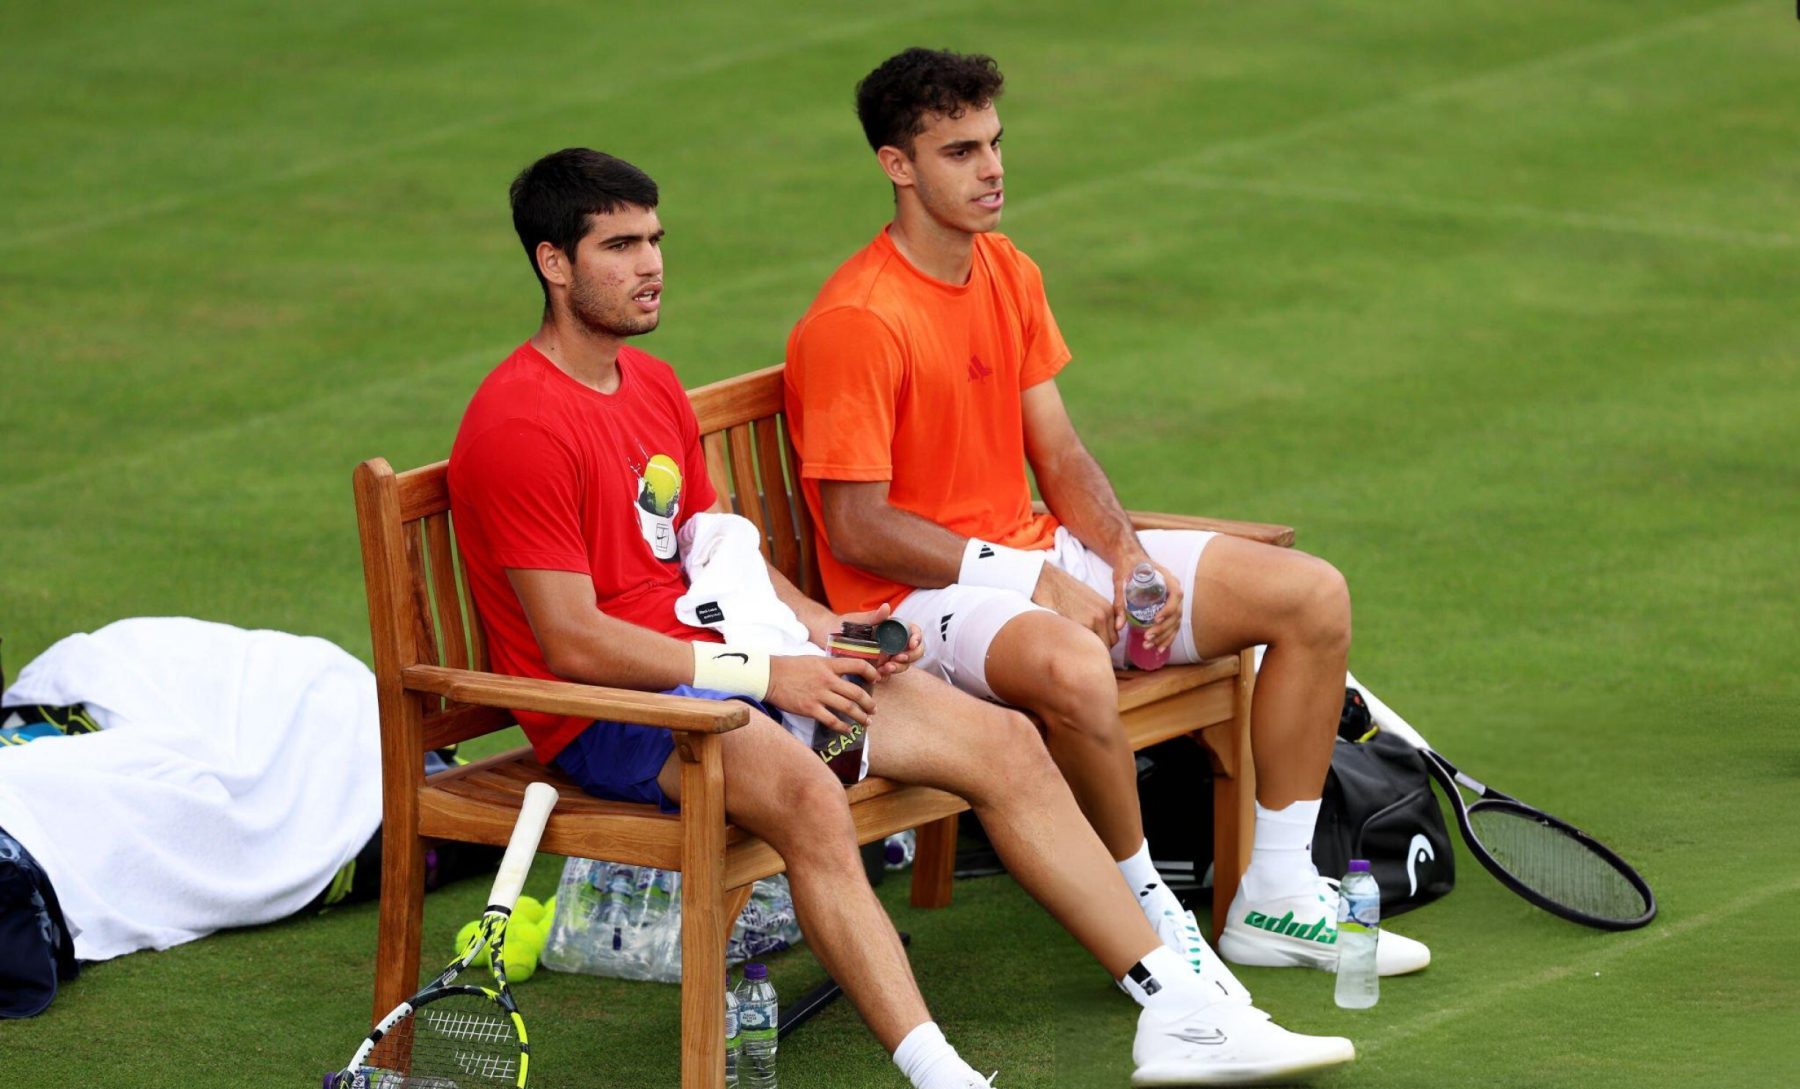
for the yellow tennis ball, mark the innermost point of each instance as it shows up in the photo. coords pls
(522, 934)
(550, 910)
(521, 968)
(528, 908)
(662, 479)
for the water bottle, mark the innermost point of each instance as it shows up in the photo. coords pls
(897, 850)
(615, 902)
(1359, 928)
(734, 1042)
(1145, 595)
(758, 1015)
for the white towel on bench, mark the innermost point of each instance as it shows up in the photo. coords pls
(236, 771)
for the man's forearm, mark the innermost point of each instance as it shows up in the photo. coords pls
(1077, 491)
(619, 654)
(906, 548)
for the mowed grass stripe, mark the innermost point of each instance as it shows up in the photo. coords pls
(1645, 942)
(1423, 204)
(812, 268)
(828, 32)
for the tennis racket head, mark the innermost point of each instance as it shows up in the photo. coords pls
(1557, 866)
(1546, 860)
(450, 1038)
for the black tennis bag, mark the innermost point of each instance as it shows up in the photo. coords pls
(1378, 805)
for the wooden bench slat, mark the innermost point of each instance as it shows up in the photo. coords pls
(743, 481)
(441, 559)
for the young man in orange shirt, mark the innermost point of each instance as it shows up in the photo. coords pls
(577, 465)
(919, 385)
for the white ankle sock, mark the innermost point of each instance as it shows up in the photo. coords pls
(929, 1062)
(1152, 892)
(1281, 853)
(1163, 981)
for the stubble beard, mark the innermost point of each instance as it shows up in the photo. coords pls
(588, 305)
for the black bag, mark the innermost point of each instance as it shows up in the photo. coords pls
(1378, 805)
(36, 948)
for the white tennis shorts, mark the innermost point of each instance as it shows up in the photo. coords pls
(959, 623)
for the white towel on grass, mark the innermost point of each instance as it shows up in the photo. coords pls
(236, 771)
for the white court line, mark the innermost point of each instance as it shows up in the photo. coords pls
(765, 276)
(425, 138)
(1470, 209)
(1621, 946)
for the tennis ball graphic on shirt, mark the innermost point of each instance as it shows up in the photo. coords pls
(662, 486)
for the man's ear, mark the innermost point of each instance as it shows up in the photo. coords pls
(554, 264)
(896, 164)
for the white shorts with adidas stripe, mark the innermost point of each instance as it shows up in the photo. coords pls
(959, 623)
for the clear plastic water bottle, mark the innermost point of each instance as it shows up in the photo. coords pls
(615, 902)
(1145, 595)
(1359, 929)
(734, 1041)
(897, 851)
(758, 1017)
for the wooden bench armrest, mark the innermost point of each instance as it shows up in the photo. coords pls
(681, 713)
(1255, 531)
(1265, 532)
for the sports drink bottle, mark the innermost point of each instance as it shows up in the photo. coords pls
(1359, 929)
(1145, 595)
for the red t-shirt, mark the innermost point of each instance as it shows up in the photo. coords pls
(548, 474)
(893, 375)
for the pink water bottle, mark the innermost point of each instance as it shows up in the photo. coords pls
(1145, 595)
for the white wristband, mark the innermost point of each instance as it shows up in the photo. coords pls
(999, 567)
(725, 668)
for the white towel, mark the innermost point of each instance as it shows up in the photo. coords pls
(729, 591)
(236, 771)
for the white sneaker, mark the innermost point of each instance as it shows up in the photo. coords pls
(1301, 931)
(1182, 934)
(1224, 1044)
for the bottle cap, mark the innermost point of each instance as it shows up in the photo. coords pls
(756, 970)
(1358, 865)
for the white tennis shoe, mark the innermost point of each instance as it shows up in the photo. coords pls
(1182, 934)
(1227, 1044)
(1301, 931)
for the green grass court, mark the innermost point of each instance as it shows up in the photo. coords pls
(1494, 301)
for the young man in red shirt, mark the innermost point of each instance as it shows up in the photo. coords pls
(919, 385)
(577, 464)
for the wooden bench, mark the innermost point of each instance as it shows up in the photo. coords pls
(434, 690)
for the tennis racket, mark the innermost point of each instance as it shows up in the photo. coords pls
(1546, 860)
(455, 1036)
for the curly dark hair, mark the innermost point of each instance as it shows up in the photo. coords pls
(553, 198)
(892, 101)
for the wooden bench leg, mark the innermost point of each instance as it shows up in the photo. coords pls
(934, 863)
(399, 930)
(703, 921)
(1234, 800)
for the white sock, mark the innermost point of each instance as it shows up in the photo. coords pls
(1152, 892)
(1163, 981)
(929, 1062)
(1281, 852)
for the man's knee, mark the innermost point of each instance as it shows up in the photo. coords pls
(1323, 616)
(1079, 688)
(1010, 756)
(1050, 664)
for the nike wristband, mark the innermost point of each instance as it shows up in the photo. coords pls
(725, 668)
(999, 567)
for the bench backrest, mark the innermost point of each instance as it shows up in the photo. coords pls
(420, 611)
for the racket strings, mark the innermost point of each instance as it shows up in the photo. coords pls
(445, 1043)
(1556, 864)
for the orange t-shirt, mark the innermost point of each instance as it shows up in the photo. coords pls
(893, 375)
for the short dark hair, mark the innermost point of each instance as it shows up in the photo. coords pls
(553, 198)
(892, 101)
